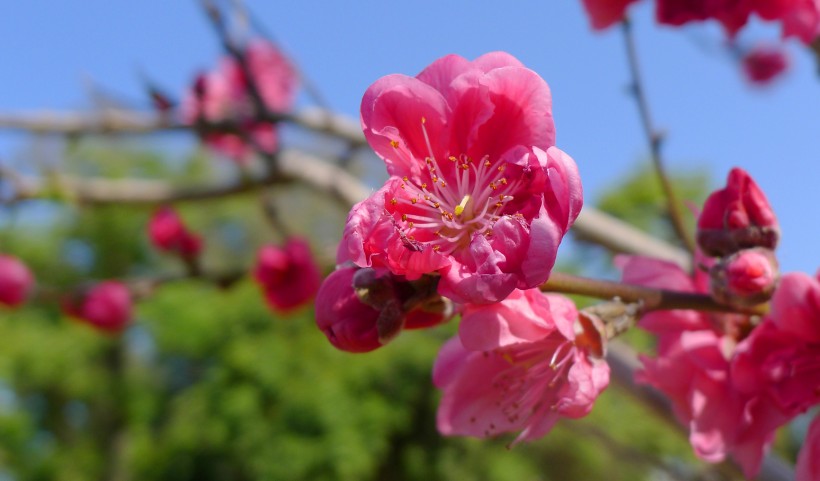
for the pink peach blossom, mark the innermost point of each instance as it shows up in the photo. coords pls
(745, 278)
(223, 95)
(796, 306)
(16, 281)
(693, 371)
(478, 192)
(107, 306)
(168, 233)
(516, 370)
(808, 462)
(288, 275)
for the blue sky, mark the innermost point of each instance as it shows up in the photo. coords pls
(713, 118)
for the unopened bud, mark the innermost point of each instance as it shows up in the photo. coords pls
(744, 279)
(737, 217)
(374, 288)
(349, 324)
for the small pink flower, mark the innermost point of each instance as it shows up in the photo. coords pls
(765, 63)
(605, 13)
(737, 217)
(515, 366)
(106, 306)
(223, 95)
(168, 233)
(745, 278)
(16, 281)
(808, 462)
(478, 192)
(352, 325)
(693, 371)
(288, 276)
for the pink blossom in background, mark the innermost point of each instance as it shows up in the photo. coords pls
(223, 95)
(477, 190)
(288, 275)
(765, 63)
(16, 281)
(515, 366)
(737, 217)
(808, 462)
(694, 372)
(168, 233)
(106, 306)
(796, 306)
(605, 13)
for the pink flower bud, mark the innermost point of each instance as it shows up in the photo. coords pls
(288, 275)
(348, 323)
(107, 306)
(169, 234)
(765, 63)
(16, 281)
(745, 278)
(737, 217)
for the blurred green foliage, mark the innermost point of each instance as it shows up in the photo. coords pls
(208, 384)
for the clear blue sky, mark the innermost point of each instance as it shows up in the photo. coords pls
(713, 118)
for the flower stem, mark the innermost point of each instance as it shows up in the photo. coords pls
(655, 139)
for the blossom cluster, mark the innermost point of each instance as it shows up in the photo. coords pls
(469, 221)
(734, 378)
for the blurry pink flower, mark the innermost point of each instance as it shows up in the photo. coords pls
(694, 373)
(808, 462)
(737, 217)
(802, 21)
(515, 366)
(605, 13)
(223, 95)
(745, 278)
(796, 306)
(765, 63)
(478, 192)
(288, 275)
(16, 281)
(169, 234)
(106, 306)
(352, 325)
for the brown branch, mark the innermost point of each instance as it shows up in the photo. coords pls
(650, 299)
(136, 123)
(655, 139)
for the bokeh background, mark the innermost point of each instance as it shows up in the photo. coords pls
(208, 383)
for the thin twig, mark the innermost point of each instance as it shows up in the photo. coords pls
(650, 299)
(655, 139)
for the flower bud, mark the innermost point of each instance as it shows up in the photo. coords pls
(349, 324)
(169, 234)
(106, 306)
(16, 281)
(737, 217)
(764, 63)
(288, 275)
(745, 278)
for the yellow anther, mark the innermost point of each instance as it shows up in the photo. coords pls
(452, 158)
(500, 168)
(443, 184)
(424, 184)
(424, 120)
(404, 217)
(465, 166)
(410, 225)
(404, 178)
(436, 205)
(394, 143)
(413, 201)
(460, 207)
(493, 186)
(394, 201)
(436, 248)
(487, 163)
(503, 180)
